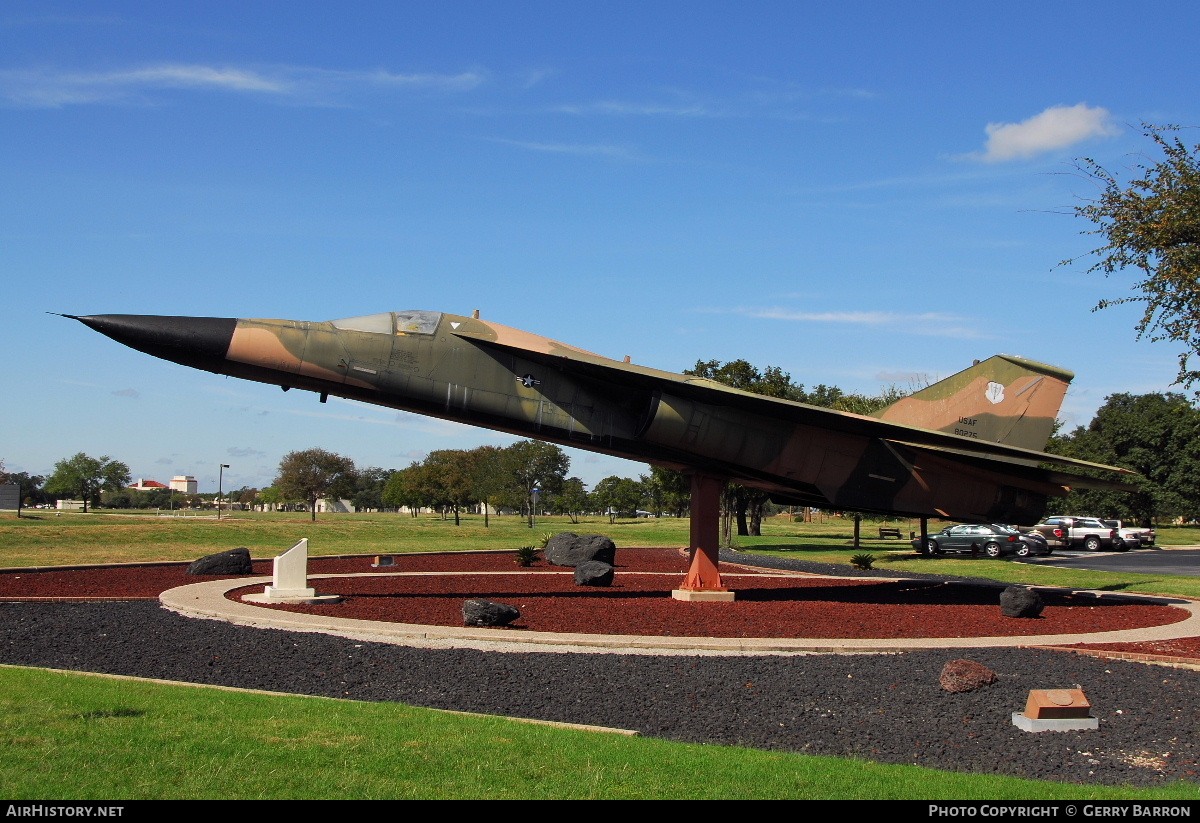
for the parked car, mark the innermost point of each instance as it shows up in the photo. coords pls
(1089, 533)
(989, 540)
(1133, 536)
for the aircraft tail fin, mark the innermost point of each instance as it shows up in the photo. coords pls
(1002, 399)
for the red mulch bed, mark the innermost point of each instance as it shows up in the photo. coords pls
(149, 582)
(1183, 647)
(767, 606)
(125, 582)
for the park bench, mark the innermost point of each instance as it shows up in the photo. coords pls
(885, 533)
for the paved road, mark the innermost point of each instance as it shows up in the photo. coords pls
(1143, 561)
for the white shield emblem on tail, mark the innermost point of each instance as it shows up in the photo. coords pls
(994, 393)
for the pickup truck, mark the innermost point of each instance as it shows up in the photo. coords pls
(1134, 536)
(1082, 532)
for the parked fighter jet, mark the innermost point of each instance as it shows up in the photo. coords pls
(968, 447)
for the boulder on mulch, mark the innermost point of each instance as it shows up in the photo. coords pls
(965, 676)
(487, 613)
(234, 561)
(1018, 601)
(570, 549)
(594, 573)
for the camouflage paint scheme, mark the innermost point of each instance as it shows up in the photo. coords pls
(966, 448)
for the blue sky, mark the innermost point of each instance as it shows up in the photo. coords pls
(859, 193)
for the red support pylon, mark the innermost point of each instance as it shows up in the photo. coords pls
(703, 581)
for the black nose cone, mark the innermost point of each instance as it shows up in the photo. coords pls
(192, 341)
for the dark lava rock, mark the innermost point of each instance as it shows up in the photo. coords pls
(487, 613)
(234, 561)
(570, 549)
(965, 676)
(1018, 601)
(594, 573)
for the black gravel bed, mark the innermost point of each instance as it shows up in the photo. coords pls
(884, 708)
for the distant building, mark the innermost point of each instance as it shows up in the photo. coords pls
(341, 505)
(70, 505)
(184, 483)
(147, 485)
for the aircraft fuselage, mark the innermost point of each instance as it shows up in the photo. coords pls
(481, 373)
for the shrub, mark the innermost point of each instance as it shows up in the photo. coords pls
(527, 555)
(863, 561)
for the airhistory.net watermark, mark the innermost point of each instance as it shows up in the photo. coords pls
(51, 810)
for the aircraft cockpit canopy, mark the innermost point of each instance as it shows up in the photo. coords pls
(394, 322)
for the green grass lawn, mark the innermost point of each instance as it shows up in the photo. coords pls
(48, 540)
(79, 737)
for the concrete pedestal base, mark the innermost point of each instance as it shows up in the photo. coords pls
(702, 596)
(291, 596)
(281, 593)
(1054, 724)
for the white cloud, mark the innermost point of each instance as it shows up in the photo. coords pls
(862, 318)
(184, 77)
(534, 77)
(586, 149)
(927, 324)
(43, 88)
(1055, 128)
(463, 81)
(614, 107)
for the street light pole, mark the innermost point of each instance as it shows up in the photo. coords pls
(220, 481)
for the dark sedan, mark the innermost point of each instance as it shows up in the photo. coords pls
(987, 540)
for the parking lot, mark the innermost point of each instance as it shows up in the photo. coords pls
(1182, 561)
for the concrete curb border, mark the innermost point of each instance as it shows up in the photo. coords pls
(207, 600)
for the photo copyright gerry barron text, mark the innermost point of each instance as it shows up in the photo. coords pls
(1062, 810)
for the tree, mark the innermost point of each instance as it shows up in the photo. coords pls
(117, 499)
(450, 474)
(1156, 435)
(247, 497)
(488, 483)
(573, 499)
(618, 495)
(771, 381)
(1152, 223)
(404, 489)
(368, 488)
(271, 497)
(85, 477)
(673, 490)
(534, 464)
(315, 474)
